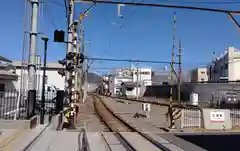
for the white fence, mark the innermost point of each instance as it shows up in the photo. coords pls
(235, 117)
(191, 118)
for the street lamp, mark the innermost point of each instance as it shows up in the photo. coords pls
(45, 39)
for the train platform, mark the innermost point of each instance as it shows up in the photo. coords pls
(18, 140)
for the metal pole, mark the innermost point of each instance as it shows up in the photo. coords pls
(137, 79)
(172, 71)
(33, 44)
(45, 39)
(69, 39)
(180, 71)
(24, 50)
(82, 84)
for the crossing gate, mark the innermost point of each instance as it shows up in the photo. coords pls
(191, 118)
(176, 114)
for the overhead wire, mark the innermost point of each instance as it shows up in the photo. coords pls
(163, 6)
(233, 19)
(130, 60)
(130, 16)
(201, 2)
(228, 12)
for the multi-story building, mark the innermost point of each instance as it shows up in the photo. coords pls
(117, 80)
(226, 67)
(199, 74)
(142, 75)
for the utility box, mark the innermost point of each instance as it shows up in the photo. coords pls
(217, 119)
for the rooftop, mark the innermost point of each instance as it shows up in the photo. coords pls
(5, 59)
(50, 65)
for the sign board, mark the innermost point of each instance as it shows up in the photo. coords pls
(217, 116)
(146, 107)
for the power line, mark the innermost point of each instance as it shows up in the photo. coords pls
(130, 60)
(233, 19)
(202, 2)
(162, 5)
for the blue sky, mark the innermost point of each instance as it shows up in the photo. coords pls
(146, 35)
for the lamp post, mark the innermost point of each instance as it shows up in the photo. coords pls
(45, 39)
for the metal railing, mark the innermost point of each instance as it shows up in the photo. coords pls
(235, 118)
(191, 118)
(49, 103)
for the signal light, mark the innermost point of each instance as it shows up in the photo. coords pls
(59, 35)
(70, 55)
(61, 72)
(81, 58)
(62, 62)
(69, 67)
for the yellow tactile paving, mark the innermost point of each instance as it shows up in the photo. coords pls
(7, 140)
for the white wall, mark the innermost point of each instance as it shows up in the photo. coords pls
(52, 78)
(142, 74)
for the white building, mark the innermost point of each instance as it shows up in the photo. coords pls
(199, 74)
(117, 80)
(132, 89)
(142, 75)
(226, 67)
(8, 76)
(52, 76)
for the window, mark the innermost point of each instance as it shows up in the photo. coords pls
(202, 72)
(129, 89)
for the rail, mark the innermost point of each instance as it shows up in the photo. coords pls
(163, 102)
(104, 111)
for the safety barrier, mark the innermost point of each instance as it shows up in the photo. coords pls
(191, 118)
(235, 117)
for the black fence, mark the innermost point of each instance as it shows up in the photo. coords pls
(24, 105)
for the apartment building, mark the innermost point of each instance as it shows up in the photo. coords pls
(226, 66)
(199, 74)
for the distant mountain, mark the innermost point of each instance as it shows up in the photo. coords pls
(94, 78)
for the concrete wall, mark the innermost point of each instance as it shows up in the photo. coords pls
(18, 124)
(205, 91)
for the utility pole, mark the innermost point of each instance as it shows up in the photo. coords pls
(45, 39)
(179, 71)
(137, 80)
(172, 72)
(69, 41)
(33, 44)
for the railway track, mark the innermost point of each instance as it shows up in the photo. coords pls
(162, 102)
(122, 129)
